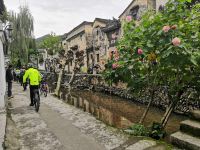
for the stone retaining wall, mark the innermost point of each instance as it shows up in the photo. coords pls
(96, 83)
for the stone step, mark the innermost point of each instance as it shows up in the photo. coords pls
(195, 115)
(191, 127)
(185, 141)
(161, 147)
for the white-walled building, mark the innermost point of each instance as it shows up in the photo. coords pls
(2, 80)
(2, 69)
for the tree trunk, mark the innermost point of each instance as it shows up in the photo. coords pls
(166, 112)
(167, 117)
(57, 90)
(71, 80)
(170, 109)
(148, 107)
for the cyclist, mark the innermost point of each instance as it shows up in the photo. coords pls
(35, 78)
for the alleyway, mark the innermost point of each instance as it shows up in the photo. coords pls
(59, 126)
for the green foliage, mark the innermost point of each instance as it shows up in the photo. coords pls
(4, 16)
(157, 131)
(51, 44)
(3, 12)
(32, 52)
(138, 130)
(22, 34)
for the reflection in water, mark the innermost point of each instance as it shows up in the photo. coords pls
(118, 112)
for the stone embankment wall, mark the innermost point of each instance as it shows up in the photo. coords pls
(98, 84)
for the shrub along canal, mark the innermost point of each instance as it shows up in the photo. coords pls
(119, 112)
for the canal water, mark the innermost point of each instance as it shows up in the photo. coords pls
(119, 112)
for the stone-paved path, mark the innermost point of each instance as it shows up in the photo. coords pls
(59, 126)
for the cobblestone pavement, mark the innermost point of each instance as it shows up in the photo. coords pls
(59, 126)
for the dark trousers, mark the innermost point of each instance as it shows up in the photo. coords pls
(9, 89)
(21, 80)
(24, 86)
(32, 88)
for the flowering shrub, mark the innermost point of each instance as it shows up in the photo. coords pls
(163, 50)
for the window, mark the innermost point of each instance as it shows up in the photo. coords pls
(71, 63)
(91, 56)
(134, 12)
(161, 8)
(97, 32)
(81, 37)
(112, 41)
(97, 57)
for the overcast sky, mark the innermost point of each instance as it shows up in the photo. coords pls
(60, 16)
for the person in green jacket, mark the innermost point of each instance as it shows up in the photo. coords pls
(35, 78)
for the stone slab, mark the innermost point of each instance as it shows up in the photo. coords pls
(68, 135)
(185, 141)
(141, 145)
(195, 115)
(191, 127)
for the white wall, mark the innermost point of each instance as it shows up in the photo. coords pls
(41, 66)
(160, 2)
(2, 72)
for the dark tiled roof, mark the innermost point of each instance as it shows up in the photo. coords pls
(112, 25)
(102, 20)
(127, 8)
(64, 36)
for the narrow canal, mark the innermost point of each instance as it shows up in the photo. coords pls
(119, 112)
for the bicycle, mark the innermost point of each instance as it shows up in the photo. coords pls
(36, 100)
(44, 89)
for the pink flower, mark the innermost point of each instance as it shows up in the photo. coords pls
(115, 66)
(176, 41)
(113, 36)
(166, 28)
(140, 51)
(128, 18)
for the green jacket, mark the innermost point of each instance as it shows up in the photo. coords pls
(33, 75)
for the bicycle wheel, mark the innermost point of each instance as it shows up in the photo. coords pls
(37, 102)
(45, 93)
